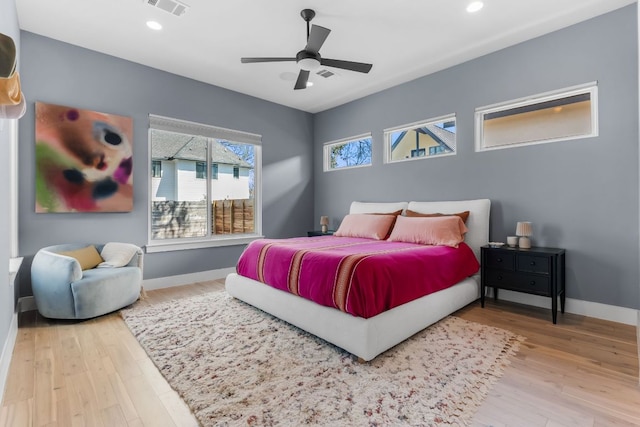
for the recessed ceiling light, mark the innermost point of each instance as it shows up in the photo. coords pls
(309, 84)
(154, 25)
(475, 6)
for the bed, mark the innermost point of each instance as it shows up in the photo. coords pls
(368, 337)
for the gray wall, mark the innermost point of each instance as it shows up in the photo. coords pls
(581, 195)
(8, 26)
(59, 73)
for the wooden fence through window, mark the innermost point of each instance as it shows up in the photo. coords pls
(175, 219)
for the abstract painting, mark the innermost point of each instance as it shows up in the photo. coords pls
(84, 160)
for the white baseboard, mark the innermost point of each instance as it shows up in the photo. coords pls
(7, 352)
(185, 279)
(613, 313)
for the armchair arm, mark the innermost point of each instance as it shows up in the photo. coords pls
(51, 278)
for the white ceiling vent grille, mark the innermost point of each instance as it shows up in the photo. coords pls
(172, 6)
(325, 73)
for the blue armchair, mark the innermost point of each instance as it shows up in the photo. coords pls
(62, 290)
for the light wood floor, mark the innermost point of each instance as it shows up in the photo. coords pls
(580, 372)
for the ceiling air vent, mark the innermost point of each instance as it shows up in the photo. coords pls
(324, 73)
(172, 6)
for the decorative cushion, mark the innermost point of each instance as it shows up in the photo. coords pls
(370, 226)
(438, 230)
(87, 257)
(464, 215)
(117, 254)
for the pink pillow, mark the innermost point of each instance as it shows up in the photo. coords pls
(370, 226)
(437, 230)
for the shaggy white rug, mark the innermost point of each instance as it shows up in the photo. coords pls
(236, 365)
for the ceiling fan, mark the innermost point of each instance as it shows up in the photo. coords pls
(309, 58)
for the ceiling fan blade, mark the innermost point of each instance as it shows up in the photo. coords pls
(360, 67)
(303, 77)
(251, 60)
(316, 38)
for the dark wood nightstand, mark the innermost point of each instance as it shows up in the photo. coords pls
(320, 233)
(538, 271)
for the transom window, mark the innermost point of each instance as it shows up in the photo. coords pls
(431, 138)
(209, 191)
(348, 153)
(554, 116)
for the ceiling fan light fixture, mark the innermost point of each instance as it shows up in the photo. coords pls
(308, 64)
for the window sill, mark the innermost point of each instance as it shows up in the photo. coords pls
(159, 246)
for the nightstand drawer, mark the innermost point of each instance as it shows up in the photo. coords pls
(503, 260)
(533, 264)
(532, 284)
(529, 283)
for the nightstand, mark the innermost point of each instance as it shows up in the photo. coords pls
(538, 271)
(315, 233)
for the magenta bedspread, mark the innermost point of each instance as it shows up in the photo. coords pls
(362, 277)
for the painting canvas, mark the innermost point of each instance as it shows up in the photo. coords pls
(84, 160)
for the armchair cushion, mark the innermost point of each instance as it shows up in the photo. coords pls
(87, 257)
(117, 254)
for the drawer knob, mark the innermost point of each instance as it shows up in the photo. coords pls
(532, 283)
(500, 277)
(533, 263)
(499, 259)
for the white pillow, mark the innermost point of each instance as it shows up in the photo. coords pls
(117, 254)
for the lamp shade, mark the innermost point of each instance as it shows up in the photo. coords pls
(523, 228)
(324, 220)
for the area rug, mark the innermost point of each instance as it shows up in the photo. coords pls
(236, 365)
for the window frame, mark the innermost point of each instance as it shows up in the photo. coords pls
(209, 131)
(326, 152)
(480, 112)
(422, 123)
(215, 169)
(201, 170)
(236, 172)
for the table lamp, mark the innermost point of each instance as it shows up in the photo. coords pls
(524, 230)
(324, 222)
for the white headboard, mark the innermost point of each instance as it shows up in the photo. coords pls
(477, 223)
(381, 207)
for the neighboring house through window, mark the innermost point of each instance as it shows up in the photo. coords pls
(208, 191)
(431, 138)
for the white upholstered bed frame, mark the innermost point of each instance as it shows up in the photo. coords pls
(367, 338)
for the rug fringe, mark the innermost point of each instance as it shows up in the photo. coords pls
(476, 395)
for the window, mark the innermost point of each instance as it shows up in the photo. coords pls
(421, 140)
(209, 193)
(156, 169)
(201, 170)
(554, 116)
(348, 153)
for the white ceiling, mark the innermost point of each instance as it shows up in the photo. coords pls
(404, 39)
